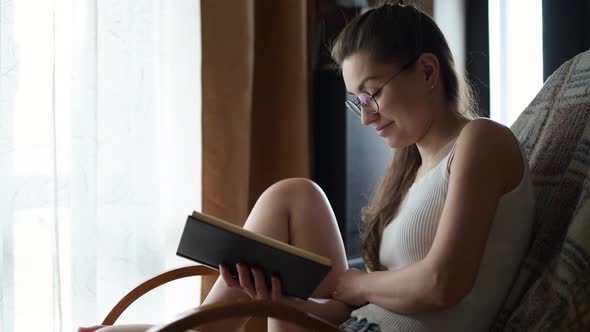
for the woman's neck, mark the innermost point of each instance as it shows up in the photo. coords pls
(436, 143)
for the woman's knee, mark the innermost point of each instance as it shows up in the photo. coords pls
(295, 188)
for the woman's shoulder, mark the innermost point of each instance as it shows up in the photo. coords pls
(485, 129)
(488, 135)
(491, 146)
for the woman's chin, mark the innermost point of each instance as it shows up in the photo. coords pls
(395, 143)
(392, 142)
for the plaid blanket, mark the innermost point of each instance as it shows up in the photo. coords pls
(552, 289)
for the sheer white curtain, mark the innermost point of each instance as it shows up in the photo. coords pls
(99, 157)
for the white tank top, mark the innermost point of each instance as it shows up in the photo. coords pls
(408, 238)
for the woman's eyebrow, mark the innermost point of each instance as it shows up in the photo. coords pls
(362, 84)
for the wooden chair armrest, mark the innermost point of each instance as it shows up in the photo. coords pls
(148, 285)
(217, 311)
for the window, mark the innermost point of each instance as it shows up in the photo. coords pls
(516, 57)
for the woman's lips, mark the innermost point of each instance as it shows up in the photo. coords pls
(381, 130)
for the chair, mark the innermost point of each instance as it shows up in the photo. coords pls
(552, 289)
(217, 311)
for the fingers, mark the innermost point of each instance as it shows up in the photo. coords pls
(245, 280)
(229, 279)
(260, 284)
(276, 289)
(253, 284)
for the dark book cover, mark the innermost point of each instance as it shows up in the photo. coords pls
(211, 241)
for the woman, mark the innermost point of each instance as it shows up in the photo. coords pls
(448, 226)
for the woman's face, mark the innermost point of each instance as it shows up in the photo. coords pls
(404, 114)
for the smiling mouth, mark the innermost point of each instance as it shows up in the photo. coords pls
(383, 127)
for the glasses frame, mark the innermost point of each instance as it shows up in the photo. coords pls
(357, 106)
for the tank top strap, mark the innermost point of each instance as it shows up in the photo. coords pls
(451, 155)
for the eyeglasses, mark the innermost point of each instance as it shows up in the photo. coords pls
(367, 102)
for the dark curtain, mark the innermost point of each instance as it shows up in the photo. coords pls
(566, 32)
(255, 78)
(477, 57)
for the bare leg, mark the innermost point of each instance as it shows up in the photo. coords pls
(297, 212)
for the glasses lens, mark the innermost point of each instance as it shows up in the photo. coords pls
(368, 103)
(353, 107)
(363, 102)
(364, 99)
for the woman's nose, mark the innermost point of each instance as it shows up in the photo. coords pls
(368, 117)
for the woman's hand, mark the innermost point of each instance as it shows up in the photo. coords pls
(349, 288)
(257, 288)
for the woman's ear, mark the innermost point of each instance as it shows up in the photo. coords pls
(429, 68)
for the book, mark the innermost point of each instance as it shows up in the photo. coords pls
(212, 241)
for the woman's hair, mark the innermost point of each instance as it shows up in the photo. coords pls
(396, 33)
